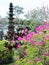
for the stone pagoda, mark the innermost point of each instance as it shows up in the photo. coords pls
(11, 23)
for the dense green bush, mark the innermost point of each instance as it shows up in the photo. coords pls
(5, 53)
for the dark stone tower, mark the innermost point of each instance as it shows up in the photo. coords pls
(11, 23)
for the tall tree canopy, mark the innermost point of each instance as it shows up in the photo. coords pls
(38, 14)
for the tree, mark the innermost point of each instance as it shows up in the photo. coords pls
(38, 14)
(18, 10)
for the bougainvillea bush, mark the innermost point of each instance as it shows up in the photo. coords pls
(35, 48)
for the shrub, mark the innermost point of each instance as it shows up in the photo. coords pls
(36, 45)
(6, 55)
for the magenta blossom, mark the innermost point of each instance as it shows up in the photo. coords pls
(39, 29)
(37, 59)
(31, 34)
(46, 26)
(24, 37)
(46, 38)
(46, 54)
(19, 38)
(12, 41)
(26, 31)
(19, 46)
(40, 43)
(32, 42)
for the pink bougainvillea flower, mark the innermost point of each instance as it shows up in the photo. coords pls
(46, 38)
(26, 31)
(31, 34)
(40, 43)
(28, 39)
(46, 27)
(32, 42)
(39, 29)
(37, 59)
(24, 37)
(46, 54)
(19, 38)
(19, 46)
(12, 41)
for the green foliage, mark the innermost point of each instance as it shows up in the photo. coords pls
(39, 63)
(32, 54)
(5, 53)
(2, 46)
(33, 25)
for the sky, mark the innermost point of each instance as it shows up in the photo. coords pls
(26, 4)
